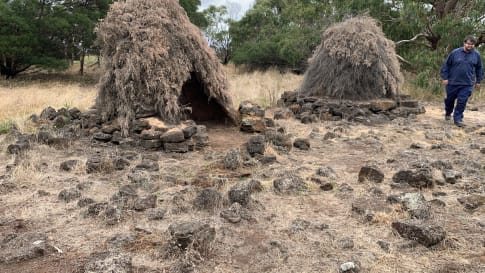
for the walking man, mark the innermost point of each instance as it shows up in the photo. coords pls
(462, 70)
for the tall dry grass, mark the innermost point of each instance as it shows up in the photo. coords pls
(21, 99)
(26, 96)
(263, 88)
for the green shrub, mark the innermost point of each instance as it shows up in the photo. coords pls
(6, 126)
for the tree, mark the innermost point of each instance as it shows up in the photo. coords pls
(191, 7)
(17, 38)
(279, 33)
(217, 31)
(46, 33)
(285, 32)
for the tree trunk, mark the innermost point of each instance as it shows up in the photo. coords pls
(81, 61)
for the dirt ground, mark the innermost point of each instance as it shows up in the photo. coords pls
(309, 230)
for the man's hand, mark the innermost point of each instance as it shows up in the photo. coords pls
(445, 82)
(477, 85)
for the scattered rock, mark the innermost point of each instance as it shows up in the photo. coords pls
(327, 172)
(232, 159)
(235, 213)
(415, 204)
(156, 214)
(96, 209)
(144, 203)
(148, 165)
(368, 208)
(119, 163)
(241, 194)
(67, 195)
(24, 246)
(18, 147)
(302, 144)
(112, 215)
(208, 199)
(349, 267)
(193, 234)
(326, 186)
(289, 184)
(451, 176)
(83, 202)
(69, 165)
(346, 243)
(421, 232)
(121, 240)
(299, 225)
(371, 173)
(420, 178)
(256, 145)
(472, 202)
(96, 164)
(280, 140)
(384, 245)
(114, 262)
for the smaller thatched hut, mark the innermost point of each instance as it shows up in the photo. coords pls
(156, 63)
(355, 61)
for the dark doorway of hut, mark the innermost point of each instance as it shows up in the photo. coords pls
(197, 105)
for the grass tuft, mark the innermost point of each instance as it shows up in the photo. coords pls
(6, 126)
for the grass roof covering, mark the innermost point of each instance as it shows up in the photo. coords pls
(355, 61)
(156, 62)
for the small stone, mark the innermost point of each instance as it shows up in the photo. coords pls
(349, 267)
(384, 245)
(302, 144)
(68, 195)
(370, 173)
(327, 186)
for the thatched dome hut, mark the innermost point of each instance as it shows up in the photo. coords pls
(355, 61)
(156, 63)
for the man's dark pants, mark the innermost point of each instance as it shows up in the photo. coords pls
(460, 94)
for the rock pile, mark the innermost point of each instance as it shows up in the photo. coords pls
(58, 127)
(314, 109)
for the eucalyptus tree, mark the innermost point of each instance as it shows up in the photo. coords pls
(279, 32)
(192, 8)
(46, 33)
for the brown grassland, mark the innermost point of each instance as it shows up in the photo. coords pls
(308, 231)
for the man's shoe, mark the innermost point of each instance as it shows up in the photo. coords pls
(459, 123)
(447, 117)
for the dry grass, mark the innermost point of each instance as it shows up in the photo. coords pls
(21, 99)
(24, 97)
(264, 88)
(478, 95)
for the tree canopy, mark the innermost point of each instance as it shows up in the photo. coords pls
(46, 33)
(285, 32)
(192, 8)
(282, 33)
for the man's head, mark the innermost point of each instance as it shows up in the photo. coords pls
(469, 43)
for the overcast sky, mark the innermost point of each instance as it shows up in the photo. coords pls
(236, 8)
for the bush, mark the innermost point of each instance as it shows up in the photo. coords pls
(6, 126)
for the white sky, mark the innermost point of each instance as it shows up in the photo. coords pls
(236, 8)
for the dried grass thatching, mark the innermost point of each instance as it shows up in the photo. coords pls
(156, 63)
(354, 61)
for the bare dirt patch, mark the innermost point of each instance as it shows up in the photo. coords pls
(126, 218)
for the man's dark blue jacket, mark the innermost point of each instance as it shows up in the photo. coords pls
(462, 68)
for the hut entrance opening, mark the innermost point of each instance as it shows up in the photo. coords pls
(197, 105)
